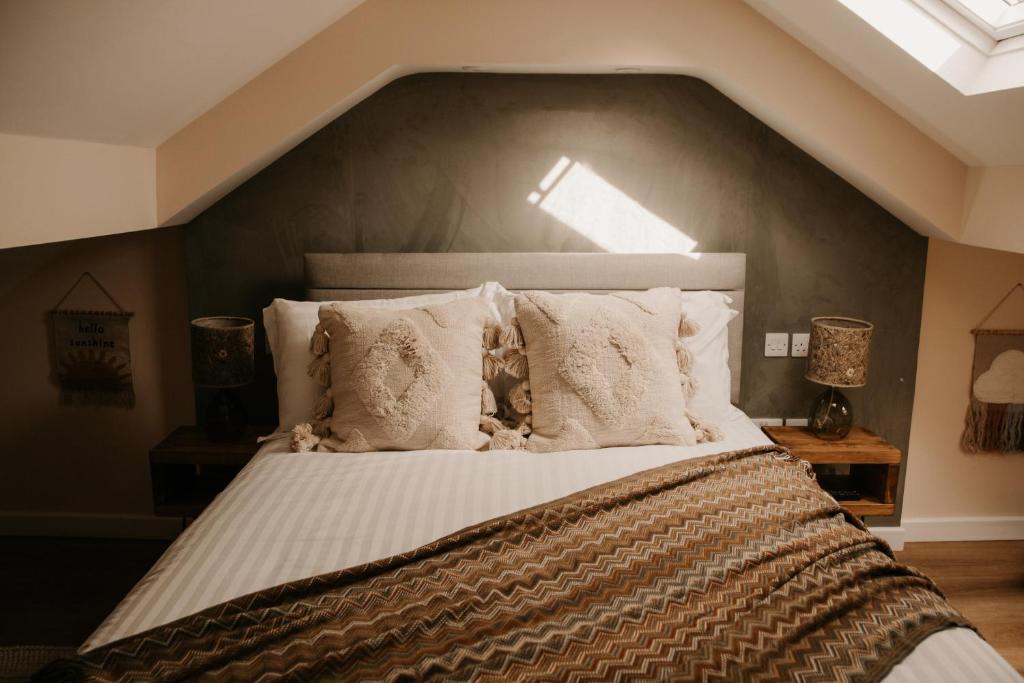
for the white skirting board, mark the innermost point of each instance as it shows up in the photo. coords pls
(963, 528)
(895, 536)
(88, 525)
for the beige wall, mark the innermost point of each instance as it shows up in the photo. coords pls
(90, 459)
(962, 283)
(52, 190)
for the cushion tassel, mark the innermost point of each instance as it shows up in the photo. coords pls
(303, 439)
(492, 366)
(318, 343)
(512, 335)
(684, 358)
(507, 440)
(704, 430)
(690, 385)
(520, 399)
(492, 336)
(490, 424)
(324, 406)
(320, 370)
(516, 364)
(687, 327)
(488, 403)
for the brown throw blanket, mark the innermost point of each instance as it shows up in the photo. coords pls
(733, 567)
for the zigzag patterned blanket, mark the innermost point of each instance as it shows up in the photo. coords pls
(733, 567)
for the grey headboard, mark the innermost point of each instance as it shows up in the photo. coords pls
(349, 277)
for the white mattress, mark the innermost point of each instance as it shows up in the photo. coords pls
(288, 516)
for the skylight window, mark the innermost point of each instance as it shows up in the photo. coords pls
(999, 19)
(977, 46)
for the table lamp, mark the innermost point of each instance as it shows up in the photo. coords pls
(222, 359)
(837, 357)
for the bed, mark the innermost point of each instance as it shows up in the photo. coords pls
(290, 516)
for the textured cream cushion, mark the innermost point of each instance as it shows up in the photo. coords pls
(289, 326)
(603, 369)
(406, 380)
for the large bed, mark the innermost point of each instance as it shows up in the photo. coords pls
(289, 516)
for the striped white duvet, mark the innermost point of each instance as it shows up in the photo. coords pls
(289, 516)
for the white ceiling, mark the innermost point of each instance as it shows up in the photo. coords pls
(982, 130)
(133, 72)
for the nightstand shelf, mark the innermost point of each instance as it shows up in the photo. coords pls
(874, 465)
(188, 470)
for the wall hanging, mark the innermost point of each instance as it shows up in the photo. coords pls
(995, 417)
(92, 359)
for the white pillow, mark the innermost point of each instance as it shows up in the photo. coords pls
(290, 325)
(710, 349)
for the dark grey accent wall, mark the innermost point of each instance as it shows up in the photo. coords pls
(445, 162)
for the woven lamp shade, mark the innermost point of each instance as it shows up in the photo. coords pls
(222, 351)
(839, 351)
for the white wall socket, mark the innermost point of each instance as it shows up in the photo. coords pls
(796, 421)
(776, 344)
(767, 421)
(801, 340)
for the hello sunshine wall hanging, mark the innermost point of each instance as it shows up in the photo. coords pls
(92, 359)
(995, 417)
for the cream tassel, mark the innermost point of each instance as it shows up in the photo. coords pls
(324, 406)
(684, 359)
(320, 370)
(492, 335)
(704, 430)
(516, 364)
(525, 425)
(520, 399)
(322, 428)
(512, 335)
(507, 440)
(488, 403)
(690, 385)
(318, 343)
(490, 424)
(492, 366)
(687, 327)
(303, 439)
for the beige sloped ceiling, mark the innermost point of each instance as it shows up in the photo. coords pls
(725, 42)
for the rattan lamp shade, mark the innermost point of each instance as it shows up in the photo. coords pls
(222, 351)
(839, 351)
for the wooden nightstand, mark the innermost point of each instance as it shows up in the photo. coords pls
(188, 470)
(874, 464)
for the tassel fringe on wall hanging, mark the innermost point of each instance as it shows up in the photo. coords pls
(995, 417)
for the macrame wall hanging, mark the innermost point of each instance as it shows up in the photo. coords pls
(995, 417)
(92, 358)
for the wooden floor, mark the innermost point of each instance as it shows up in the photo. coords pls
(56, 591)
(985, 581)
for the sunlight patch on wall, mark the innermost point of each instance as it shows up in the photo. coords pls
(604, 214)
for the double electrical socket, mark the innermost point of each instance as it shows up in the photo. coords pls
(776, 344)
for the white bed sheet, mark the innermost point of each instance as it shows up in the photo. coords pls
(288, 516)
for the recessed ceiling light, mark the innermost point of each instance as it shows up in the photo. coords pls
(471, 68)
(627, 69)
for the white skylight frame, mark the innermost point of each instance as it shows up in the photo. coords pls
(999, 19)
(938, 35)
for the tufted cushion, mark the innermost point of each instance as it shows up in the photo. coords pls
(603, 369)
(406, 380)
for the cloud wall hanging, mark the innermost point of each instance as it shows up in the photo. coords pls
(995, 417)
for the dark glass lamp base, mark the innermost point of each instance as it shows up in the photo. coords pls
(225, 417)
(831, 415)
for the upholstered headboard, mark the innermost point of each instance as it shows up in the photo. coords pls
(351, 277)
